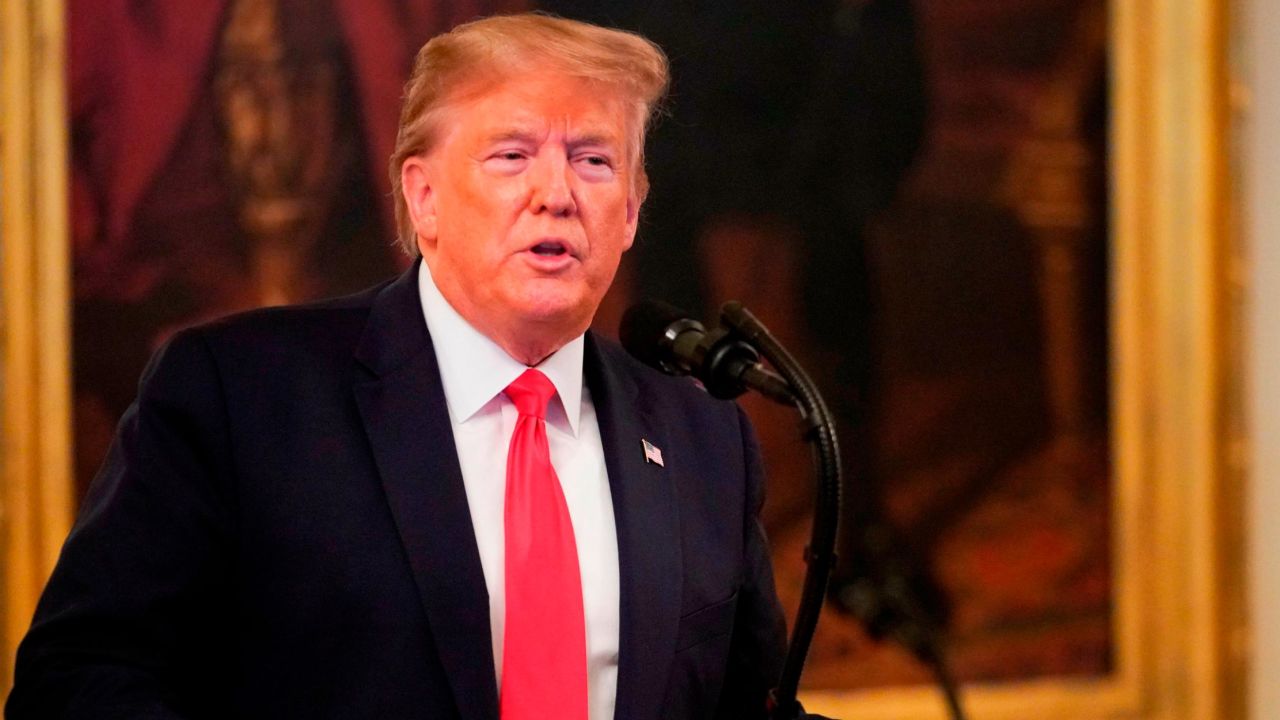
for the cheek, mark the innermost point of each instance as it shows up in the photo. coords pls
(469, 224)
(613, 226)
(489, 209)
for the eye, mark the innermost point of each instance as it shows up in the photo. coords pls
(510, 160)
(594, 166)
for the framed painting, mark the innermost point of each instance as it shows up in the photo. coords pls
(1159, 633)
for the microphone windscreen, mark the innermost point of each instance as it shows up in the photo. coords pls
(643, 330)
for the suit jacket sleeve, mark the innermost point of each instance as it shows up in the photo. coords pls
(125, 626)
(759, 640)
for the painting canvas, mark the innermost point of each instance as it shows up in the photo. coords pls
(912, 195)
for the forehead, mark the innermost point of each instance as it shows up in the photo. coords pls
(538, 103)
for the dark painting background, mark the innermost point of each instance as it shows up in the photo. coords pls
(911, 195)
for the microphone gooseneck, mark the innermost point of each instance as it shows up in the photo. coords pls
(818, 428)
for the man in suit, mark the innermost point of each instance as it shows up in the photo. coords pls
(442, 497)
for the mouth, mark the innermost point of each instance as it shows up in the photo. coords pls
(550, 248)
(551, 255)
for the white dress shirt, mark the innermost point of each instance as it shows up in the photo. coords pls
(475, 371)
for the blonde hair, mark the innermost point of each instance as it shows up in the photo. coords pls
(495, 46)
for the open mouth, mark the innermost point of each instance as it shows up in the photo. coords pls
(550, 249)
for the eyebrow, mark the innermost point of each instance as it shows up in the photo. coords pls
(591, 139)
(523, 135)
(513, 134)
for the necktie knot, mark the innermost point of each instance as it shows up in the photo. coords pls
(530, 393)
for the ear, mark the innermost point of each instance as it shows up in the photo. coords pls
(415, 184)
(634, 200)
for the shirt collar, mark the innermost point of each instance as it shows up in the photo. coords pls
(475, 369)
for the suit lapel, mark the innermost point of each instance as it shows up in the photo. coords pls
(408, 426)
(646, 515)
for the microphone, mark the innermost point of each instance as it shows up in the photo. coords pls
(663, 337)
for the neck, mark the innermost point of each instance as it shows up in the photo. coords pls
(530, 353)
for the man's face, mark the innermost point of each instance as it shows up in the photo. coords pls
(526, 204)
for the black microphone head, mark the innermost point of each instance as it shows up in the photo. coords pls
(647, 330)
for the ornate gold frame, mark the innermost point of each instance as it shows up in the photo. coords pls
(1179, 622)
(36, 498)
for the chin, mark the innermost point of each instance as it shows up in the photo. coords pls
(571, 313)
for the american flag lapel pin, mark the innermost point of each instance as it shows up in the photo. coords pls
(652, 453)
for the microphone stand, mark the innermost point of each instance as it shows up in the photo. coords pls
(818, 429)
(728, 367)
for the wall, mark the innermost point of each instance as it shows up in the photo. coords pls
(1259, 173)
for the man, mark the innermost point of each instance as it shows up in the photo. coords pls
(441, 498)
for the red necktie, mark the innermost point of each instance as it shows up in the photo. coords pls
(544, 654)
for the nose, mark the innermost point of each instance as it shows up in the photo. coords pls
(552, 190)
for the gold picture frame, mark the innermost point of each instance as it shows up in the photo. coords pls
(36, 496)
(1180, 631)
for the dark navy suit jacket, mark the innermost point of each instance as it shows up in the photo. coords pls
(281, 531)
